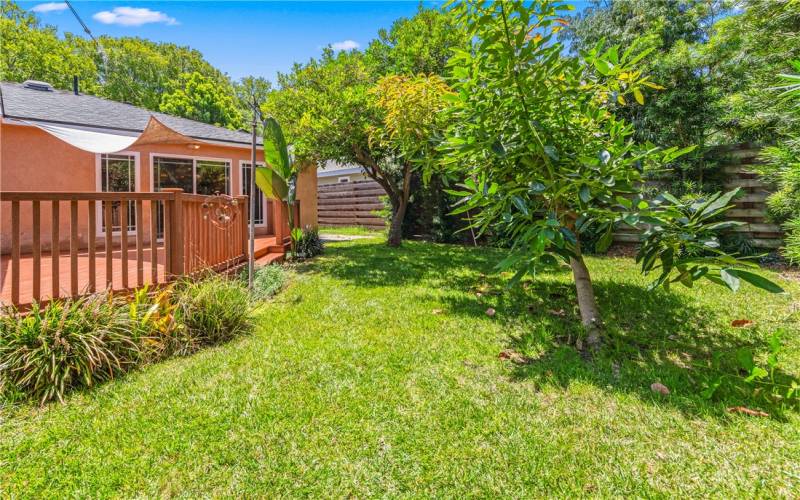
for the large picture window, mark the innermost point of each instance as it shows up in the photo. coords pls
(117, 173)
(192, 175)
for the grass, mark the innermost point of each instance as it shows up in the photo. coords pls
(376, 373)
(351, 231)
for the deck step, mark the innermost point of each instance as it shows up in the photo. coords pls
(270, 258)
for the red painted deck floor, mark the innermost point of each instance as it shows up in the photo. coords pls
(263, 256)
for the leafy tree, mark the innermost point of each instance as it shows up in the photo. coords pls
(547, 160)
(327, 110)
(31, 51)
(419, 44)
(684, 111)
(746, 51)
(247, 88)
(199, 98)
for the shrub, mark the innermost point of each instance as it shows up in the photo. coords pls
(211, 311)
(307, 243)
(153, 325)
(267, 281)
(63, 345)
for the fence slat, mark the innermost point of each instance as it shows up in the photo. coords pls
(139, 243)
(91, 243)
(55, 250)
(109, 246)
(73, 247)
(37, 250)
(154, 241)
(123, 240)
(15, 252)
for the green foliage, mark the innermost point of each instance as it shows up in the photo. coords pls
(31, 51)
(213, 310)
(307, 243)
(544, 158)
(125, 69)
(792, 240)
(757, 376)
(681, 243)
(199, 98)
(421, 44)
(64, 345)
(267, 282)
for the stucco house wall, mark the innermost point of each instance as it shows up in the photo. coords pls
(33, 160)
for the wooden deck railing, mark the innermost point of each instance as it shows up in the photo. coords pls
(169, 234)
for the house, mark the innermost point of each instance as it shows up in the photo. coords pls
(55, 141)
(334, 172)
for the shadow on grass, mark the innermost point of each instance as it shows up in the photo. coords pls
(654, 336)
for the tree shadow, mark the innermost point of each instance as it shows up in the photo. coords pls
(651, 337)
(655, 336)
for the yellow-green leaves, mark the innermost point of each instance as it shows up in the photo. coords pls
(271, 184)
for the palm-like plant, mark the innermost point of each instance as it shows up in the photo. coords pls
(278, 179)
(791, 83)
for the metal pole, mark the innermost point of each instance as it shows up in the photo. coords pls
(251, 257)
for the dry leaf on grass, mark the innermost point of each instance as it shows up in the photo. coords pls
(560, 312)
(437, 311)
(515, 357)
(741, 323)
(747, 411)
(490, 312)
(659, 388)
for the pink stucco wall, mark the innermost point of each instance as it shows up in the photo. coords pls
(33, 160)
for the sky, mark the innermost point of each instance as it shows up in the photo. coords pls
(257, 38)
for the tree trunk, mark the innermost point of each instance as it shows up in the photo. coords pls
(590, 315)
(396, 227)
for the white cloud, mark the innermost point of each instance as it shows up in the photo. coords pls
(50, 7)
(132, 16)
(345, 45)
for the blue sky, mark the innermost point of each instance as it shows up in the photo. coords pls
(241, 38)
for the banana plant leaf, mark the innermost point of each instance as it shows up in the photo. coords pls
(276, 153)
(271, 184)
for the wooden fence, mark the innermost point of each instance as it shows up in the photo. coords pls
(169, 234)
(350, 204)
(750, 206)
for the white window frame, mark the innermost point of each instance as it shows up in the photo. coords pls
(194, 159)
(263, 196)
(137, 183)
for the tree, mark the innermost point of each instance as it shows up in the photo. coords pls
(685, 111)
(246, 89)
(421, 44)
(328, 113)
(34, 52)
(547, 160)
(197, 97)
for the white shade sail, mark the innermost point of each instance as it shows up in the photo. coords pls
(87, 140)
(108, 141)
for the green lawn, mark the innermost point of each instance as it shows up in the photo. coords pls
(351, 231)
(377, 373)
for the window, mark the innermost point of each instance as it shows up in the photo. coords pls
(192, 175)
(117, 173)
(260, 218)
(344, 179)
(213, 177)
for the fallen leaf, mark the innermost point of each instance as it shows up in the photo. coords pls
(741, 323)
(437, 311)
(515, 357)
(748, 411)
(560, 312)
(659, 388)
(490, 312)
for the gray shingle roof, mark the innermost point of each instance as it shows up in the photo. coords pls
(64, 107)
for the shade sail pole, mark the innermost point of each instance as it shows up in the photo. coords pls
(251, 261)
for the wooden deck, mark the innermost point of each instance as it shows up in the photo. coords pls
(266, 251)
